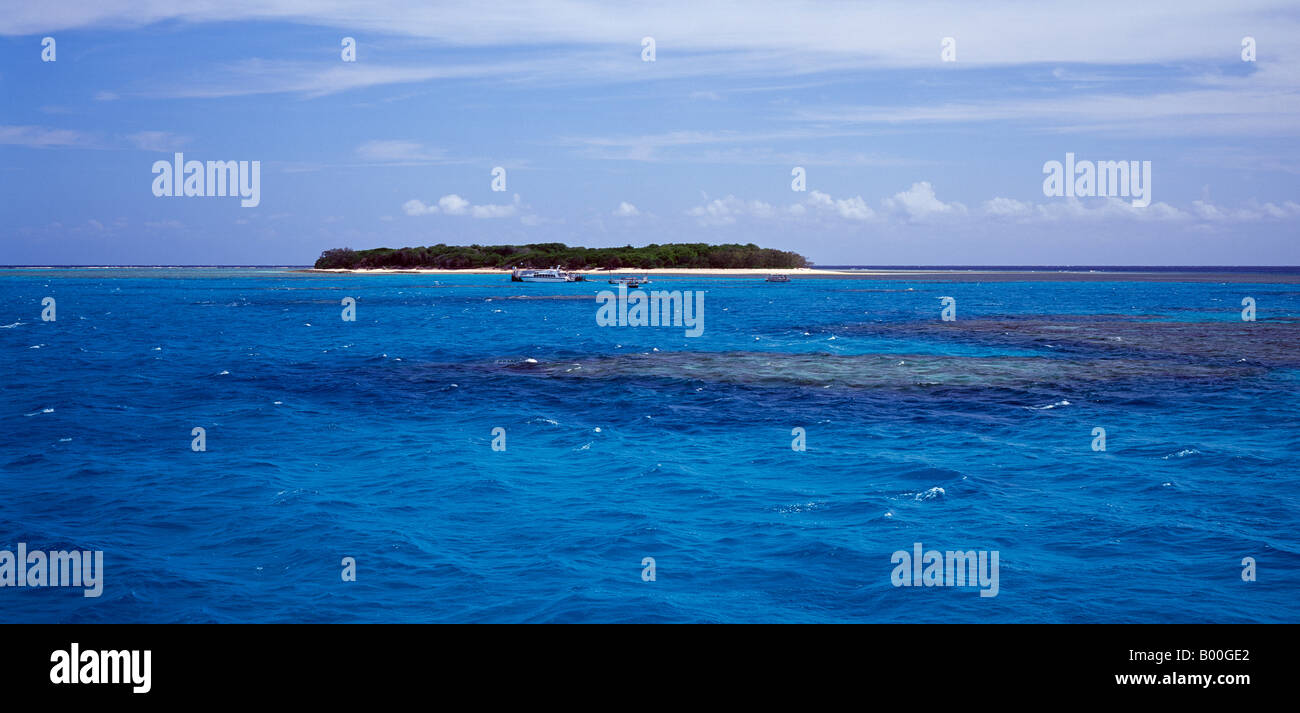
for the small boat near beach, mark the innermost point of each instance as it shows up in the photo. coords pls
(778, 278)
(630, 282)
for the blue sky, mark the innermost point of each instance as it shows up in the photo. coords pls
(909, 159)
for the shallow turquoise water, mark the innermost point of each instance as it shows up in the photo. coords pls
(372, 439)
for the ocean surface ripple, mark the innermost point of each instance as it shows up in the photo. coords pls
(373, 439)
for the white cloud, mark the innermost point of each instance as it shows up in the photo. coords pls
(1007, 207)
(1207, 211)
(495, 211)
(1252, 211)
(1288, 209)
(725, 211)
(1074, 209)
(848, 208)
(919, 202)
(626, 210)
(417, 207)
(453, 204)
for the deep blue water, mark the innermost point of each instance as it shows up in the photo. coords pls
(372, 439)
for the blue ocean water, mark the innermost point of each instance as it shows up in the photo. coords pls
(372, 440)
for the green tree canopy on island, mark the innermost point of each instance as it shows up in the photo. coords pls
(544, 255)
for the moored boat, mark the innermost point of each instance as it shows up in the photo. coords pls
(630, 282)
(554, 275)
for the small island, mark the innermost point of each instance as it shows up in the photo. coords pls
(700, 256)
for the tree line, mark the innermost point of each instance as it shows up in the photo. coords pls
(545, 255)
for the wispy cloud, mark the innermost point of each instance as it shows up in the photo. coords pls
(1265, 102)
(157, 140)
(44, 137)
(894, 33)
(403, 152)
(262, 76)
(734, 147)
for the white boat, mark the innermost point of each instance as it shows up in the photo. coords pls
(555, 275)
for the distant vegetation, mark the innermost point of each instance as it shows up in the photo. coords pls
(544, 255)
